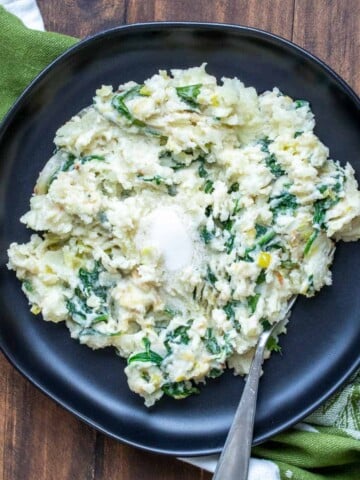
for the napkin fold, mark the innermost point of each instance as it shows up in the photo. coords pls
(328, 444)
(23, 54)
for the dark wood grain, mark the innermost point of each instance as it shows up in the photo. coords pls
(273, 15)
(80, 18)
(331, 30)
(38, 439)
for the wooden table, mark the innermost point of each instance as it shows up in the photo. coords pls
(40, 440)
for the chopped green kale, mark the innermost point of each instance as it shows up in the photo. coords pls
(273, 165)
(252, 302)
(189, 94)
(179, 390)
(282, 204)
(206, 236)
(301, 103)
(210, 342)
(147, 356)
(273, 345)
(118, 102)
(209, 186)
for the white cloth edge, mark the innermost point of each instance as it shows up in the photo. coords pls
(29, 14)
(27, 11)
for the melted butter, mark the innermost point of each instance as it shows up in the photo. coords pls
(165, 229)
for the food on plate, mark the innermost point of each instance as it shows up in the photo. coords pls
(176, 218)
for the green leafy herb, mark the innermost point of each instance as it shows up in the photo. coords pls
(206, 236)
(77, 306)
(189, 94)
(252, 302)
(210, 342)
(260, 230)
(288, 264)
(310, 242)
(157, 179)
(202, 171)
(171, 312)
(320, 209)
(215, 372)
(273, 345)
(88, 158)
(286, 202)
(311, 288)
(179, 390)
(273, 165)
(247, 257)
(264, 144)
(234, 187)
(118, 102)
(210, 277)
(297, 134)
(261, 278)
(91, 331)
(229, 310)
(28, 286)
(178, 336)
(229, 244)
(69, 163)
(228, 224)
(209, 186)
(147, 356)
(167, 159)
(266, 238)
(66, 165)
(266, 325)
(237, 207)
(301, 103)
(145, 376)
(90, 281)
(208, 210)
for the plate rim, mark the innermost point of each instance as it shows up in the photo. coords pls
(143, 26)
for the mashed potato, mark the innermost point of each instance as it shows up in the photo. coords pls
(175, 220)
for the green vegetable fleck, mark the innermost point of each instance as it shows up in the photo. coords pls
(210, 277)
(310, 242)
(266, 325)
(210, 342)
(261, 278)
(273, 345)
(206, 236)
(229, 244)
(234, 187)
(301, 103)
(189, 94)
(28, 286)
(284, 203)
(252, 302)
(273, 165)
(147, 356)
(202, 171)
(179, 390)
(118, 102)
(215, 372)
(209, 186)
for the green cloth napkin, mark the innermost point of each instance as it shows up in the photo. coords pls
(330, 447)
(23, 54)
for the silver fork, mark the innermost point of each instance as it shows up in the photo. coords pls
(234, 460)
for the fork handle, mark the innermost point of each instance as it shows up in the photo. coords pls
(234, 460)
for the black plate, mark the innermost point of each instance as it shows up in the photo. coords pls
(322, 346)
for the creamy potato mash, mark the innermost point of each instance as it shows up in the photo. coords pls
(175, 220)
